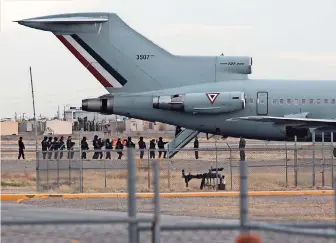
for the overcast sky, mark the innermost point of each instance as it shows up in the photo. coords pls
(288, 39)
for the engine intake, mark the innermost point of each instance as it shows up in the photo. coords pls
(101, 105)
(221, 102)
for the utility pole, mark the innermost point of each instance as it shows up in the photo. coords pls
(32, 88)
(63, 113)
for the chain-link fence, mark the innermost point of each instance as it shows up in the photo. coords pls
(269, 169)
(65, 225)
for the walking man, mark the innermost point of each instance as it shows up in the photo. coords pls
(196, 145)
(44, 145)
(108, 147)
(84, 147)
(242, 144)
(161, 147)
(152, 149)
(119, 146)
(21, 149)
(142, 147)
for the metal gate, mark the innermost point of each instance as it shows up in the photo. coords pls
(262, 103)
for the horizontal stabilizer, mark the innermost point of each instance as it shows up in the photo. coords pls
(64, 20)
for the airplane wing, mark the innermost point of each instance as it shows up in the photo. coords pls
(295, 121)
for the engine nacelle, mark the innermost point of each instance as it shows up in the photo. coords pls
(102, 105)
(213, 103)
(234, 64)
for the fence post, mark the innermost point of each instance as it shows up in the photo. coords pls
(216, 166)
(286, 164)
(243, 196)
(37, 171)
(148, 165)
(132, 229)
(105, 174)
(47, 160)
(156, 221)
(58, 169)
(332, 164)
(230, 170)
(323, 162)
(295, 163)
(334, 181)
(313, 158)
(81, 187)
(69, 172)
(168, 169)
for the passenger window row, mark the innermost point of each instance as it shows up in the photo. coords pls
(301, 101)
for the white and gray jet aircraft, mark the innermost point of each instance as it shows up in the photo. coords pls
(209, 94)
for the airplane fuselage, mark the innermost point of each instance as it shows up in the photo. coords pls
(263, 97)
(149, 83)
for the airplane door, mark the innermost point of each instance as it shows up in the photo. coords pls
(262, 103)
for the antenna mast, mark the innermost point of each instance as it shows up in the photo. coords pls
(32, 88)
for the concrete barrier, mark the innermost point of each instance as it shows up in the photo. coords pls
(16, 197)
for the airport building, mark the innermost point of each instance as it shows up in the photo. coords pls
(74, 114)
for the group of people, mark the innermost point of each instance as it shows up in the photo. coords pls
(99, 144)
(50, 145)
(57, 146)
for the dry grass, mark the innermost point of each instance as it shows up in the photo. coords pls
(25, 181)
(259, 179)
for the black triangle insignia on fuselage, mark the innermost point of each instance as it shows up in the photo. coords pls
(212, 97)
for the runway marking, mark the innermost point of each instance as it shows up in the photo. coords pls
(17, 197)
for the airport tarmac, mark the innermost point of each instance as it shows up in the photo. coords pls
(108, 232)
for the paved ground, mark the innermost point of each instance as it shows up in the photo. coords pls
(112, 233)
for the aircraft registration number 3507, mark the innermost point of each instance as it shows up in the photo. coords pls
(143, 57)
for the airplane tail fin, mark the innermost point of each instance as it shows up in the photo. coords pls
(120, 58)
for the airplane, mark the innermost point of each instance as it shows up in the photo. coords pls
(209, 94)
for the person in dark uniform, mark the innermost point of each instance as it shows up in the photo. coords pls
(142, 147)
(129, 143)
(84, 147)
(21, 148)
(50, 144)
(44, 145)
(61, 146)
(100, 146)
(161, 145)
(70, 145)
(108, 146)
(152, 149)
(55, 146)
(178, 130)
(119, 146)
(196, 146)
(242, 144)
(95, 147)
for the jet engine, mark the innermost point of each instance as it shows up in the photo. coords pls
(102, 105)
(213, 103)
(234, 64)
